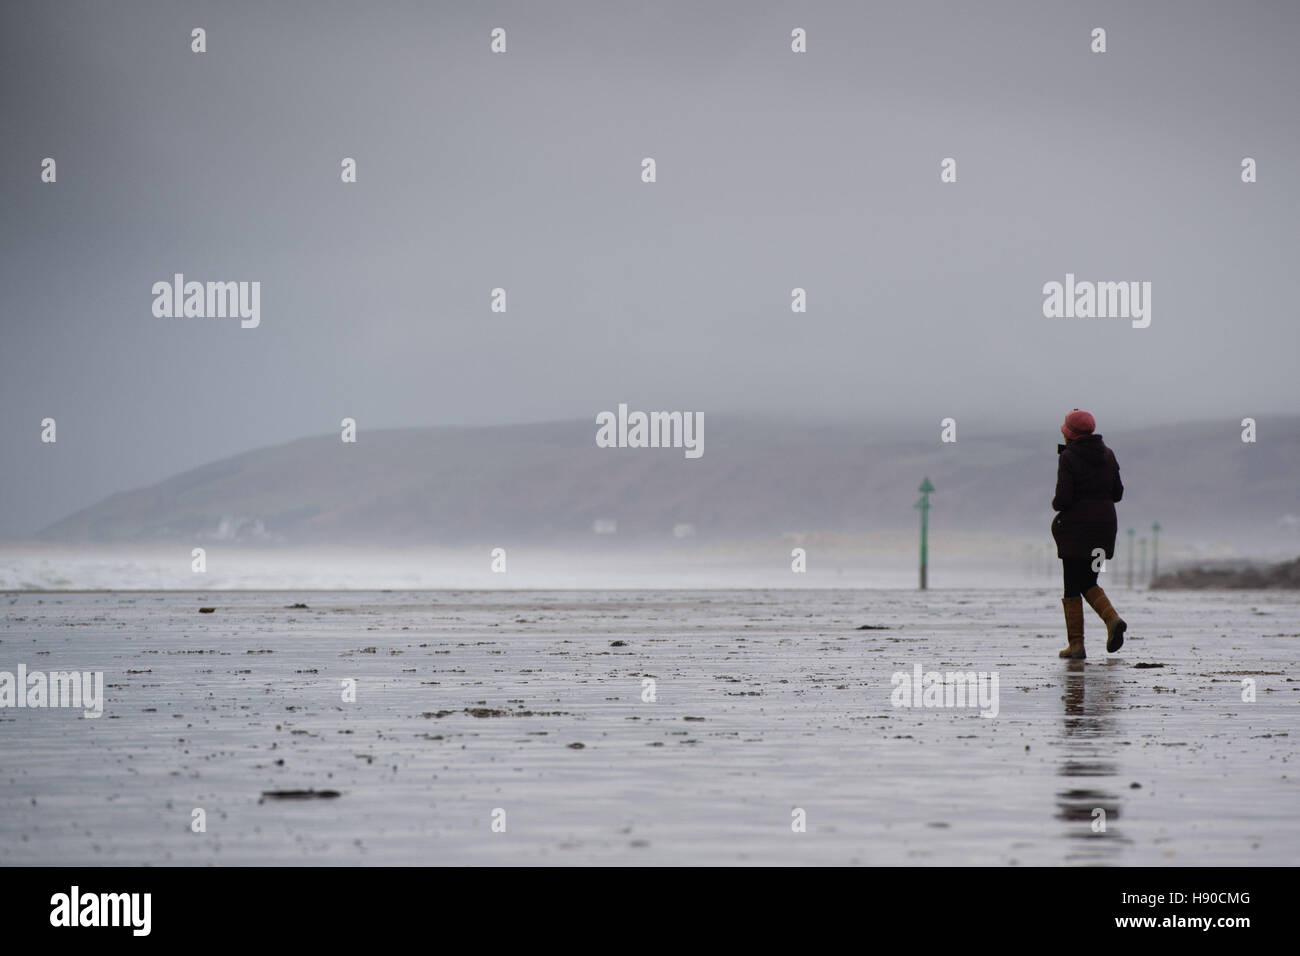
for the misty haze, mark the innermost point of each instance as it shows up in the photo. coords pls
(508, 433)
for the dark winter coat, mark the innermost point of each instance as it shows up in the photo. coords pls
(1087, 487)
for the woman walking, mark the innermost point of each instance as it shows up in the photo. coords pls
(1087, 487)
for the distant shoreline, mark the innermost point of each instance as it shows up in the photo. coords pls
(1163, 583)
(618, 590)
(1240, 577)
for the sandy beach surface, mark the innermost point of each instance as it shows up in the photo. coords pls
(529, 709)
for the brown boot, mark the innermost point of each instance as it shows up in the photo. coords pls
(1115, 626)
(1073, 628)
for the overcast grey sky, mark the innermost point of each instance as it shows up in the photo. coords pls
(775, 170)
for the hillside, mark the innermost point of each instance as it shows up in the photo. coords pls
(549, 482)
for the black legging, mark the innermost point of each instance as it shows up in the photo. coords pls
(1079, 576)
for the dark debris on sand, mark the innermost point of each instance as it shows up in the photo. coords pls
(298, 794)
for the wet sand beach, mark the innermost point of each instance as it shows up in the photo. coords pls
(766, 703)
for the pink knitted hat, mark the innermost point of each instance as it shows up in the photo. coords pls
(1077, 424)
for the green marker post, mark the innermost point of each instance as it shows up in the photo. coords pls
(924, 506)
(1130, 559)
(1155, 542)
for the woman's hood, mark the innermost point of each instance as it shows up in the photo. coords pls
(1090, 448)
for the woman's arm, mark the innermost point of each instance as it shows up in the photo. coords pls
(1064, 496)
